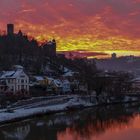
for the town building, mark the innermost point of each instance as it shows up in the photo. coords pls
(66, 86)
(136, 84)
(39, 80)
(15, 81)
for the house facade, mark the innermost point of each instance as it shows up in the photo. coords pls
(16, 80)
(3, 87)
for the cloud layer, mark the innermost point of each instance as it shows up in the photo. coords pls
(92, 25)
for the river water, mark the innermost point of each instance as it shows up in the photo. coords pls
(119, 122)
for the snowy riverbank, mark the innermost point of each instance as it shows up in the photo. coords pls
(46, 105)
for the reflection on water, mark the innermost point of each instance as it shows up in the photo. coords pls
(117, 122)
(19, 133)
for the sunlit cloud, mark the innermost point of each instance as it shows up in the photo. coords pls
(89, 25)
(27, 10)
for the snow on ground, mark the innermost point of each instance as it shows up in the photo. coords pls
(21, 113)
(36, 106)
(59, 104)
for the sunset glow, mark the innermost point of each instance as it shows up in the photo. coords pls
(78, 25)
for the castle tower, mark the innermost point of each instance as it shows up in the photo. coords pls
(10, 29)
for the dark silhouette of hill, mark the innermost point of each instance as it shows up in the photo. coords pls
(24, 50)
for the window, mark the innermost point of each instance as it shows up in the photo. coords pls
(12, 88)
(22, 81)
(18, 87)
(11, 80)
(22, 87)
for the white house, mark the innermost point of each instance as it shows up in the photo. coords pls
(16, 80)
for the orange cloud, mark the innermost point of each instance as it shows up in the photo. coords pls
(88, 25)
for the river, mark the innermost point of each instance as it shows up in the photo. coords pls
(118, 122)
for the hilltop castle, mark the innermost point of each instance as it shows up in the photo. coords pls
(18, 48)
(49, 46)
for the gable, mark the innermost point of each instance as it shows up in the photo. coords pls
(20, 74)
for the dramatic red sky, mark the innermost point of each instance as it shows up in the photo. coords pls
(104, 26)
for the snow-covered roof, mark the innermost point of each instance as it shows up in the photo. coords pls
(50, 79)
(18, 67)
(57, 83)
(69, 74)
(39, 78)
(66, 69)
(11, 74)
(136, 79)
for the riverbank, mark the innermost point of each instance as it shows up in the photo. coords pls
(53, 104)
